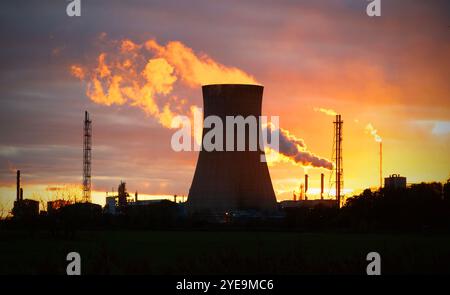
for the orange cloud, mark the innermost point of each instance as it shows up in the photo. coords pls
(145, 77)
(197, 70)
(77, 72)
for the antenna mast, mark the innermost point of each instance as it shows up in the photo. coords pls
(337, 157)
(87, 148)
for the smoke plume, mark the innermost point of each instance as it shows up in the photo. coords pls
(374, 132)
(145, 75)
(328, 112)
(294, 150)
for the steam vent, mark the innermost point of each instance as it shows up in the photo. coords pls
(231, 180)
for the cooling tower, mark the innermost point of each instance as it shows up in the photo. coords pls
(231, 180)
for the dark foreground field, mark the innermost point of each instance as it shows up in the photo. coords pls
(197, 252)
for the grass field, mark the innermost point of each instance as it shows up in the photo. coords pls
(198, 252)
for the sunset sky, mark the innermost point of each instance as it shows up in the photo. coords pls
(390, 71)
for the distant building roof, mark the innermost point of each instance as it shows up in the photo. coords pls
(395, 181)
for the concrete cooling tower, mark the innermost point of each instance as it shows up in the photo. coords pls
(231, 180)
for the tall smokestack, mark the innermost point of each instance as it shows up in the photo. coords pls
(231, 180)
(322, 176)
(18, 185)
(381, 165)
(306, 183)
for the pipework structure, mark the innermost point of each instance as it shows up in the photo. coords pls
(87, 157)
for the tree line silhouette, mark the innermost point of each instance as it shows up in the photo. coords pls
(420, 207)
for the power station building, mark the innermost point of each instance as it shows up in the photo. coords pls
(395, 181)
(231, 180)
(24, 208)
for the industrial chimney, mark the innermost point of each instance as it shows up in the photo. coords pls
(18, 185)
(322, 176)
(231, 180)
(306, 183)
(381, 165)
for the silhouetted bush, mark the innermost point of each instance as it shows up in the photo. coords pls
(419, 207)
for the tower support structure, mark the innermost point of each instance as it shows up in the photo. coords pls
(87, 157)
(338, 158)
